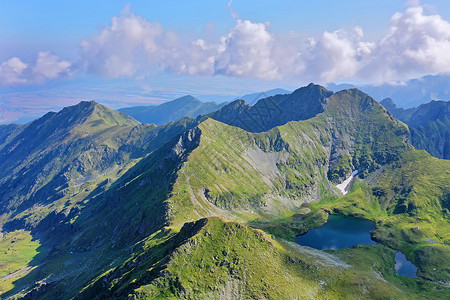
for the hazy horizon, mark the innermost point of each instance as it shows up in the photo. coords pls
(138, 52)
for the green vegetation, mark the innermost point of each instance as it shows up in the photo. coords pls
(362, 130)
(214, 258)
(380, 260)
(69, 157)
(17, 251)
(210, 210)
(409, 204)
(244, 176)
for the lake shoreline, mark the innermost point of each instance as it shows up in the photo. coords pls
(342, 231)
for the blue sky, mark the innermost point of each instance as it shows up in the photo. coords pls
(56, 53)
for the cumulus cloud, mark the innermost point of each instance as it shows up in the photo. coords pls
(119, 49)
(131, 46)
(247, 51)
(415, 44)
(337, 54)
(11, 71)
(47, 66)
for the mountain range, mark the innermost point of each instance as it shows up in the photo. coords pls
(408, 94)
(429, 125)
(186, 106)
(253, 98)
(97, 205)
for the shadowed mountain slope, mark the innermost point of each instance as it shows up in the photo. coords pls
(181, 217)
(6, 131)
(429, 124)
(59, 159)
(302, 104)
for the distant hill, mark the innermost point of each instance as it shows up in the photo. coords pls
(255, 97)
(411, 93)
(429, 125)
(187, 106)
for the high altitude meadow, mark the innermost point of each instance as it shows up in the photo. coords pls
(180, 151)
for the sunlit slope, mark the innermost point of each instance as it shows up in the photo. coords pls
(275, 171)
(134, 236)
(235, 172)
(409, 201)
(58, 160)
(217, 259)
(415, 191)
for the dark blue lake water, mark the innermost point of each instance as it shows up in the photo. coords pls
(345, 232)
(338, 232)
(404, 267)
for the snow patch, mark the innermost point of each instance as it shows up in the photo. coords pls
(343, 186)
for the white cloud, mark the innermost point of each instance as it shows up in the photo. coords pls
(119, 49)
(336, 54)
(247, 51)
(414, 44)
(131, 45)
(11, 71)
(47, 66)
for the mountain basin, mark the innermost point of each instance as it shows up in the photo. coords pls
(345, 232)
(338, 232)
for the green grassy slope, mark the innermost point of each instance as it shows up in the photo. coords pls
(365, 136)
(409, 202)
(130, 237)
(416, 193)
(65, 158)
(18, 249)
(216, 259)
(67, 165)
(39, 162)
(273, 172)
(98, 234)
(234, 172)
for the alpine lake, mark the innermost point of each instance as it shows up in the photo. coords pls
(345, 232)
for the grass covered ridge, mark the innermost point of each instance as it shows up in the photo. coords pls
(244, 175)
(213, 258)
(150, 228)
